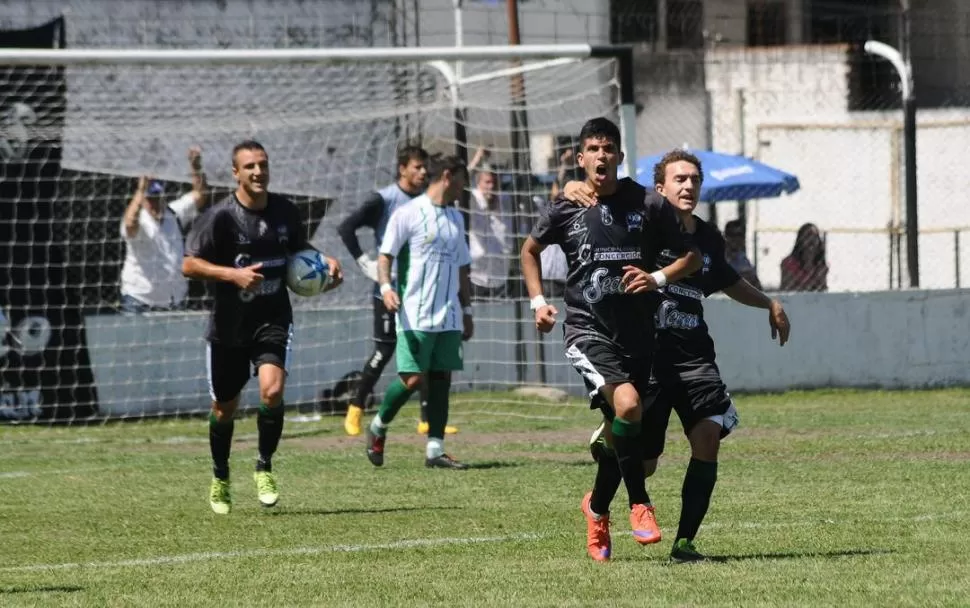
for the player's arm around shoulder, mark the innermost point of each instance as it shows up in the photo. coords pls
(674, 236)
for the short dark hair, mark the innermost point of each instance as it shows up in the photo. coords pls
(675, 156)
(438, 164)
(734, 228)
(409, 153)
(599, 127)
(246, 144)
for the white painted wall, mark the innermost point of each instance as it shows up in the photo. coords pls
(788, 107)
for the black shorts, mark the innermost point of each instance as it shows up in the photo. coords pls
(385, 323)
(230, 367)
(601, 363)
(695, 394)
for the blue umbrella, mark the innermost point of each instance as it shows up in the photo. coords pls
(728, 177)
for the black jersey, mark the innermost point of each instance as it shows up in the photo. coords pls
(627, 228)
(230, 234)
(682, 334)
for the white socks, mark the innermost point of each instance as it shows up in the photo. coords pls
(436, 447)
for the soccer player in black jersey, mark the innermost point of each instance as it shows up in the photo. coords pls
(242, 245)
(685, 375)
(608, 301)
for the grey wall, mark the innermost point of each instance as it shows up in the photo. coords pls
(909, 339)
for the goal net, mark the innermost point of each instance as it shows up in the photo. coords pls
(78, 128)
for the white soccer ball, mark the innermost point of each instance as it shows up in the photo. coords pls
(307, 273)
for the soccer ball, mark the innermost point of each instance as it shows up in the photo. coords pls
(307, 273)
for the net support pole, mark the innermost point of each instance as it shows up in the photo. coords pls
(904, 69)
(522, 171)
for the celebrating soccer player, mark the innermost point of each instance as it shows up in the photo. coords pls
(608, 298)
(685, 375)
(432, 302)
(242, 245)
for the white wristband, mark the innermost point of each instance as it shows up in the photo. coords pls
(386, 287)
(537, 302)
(467, 310)
(659, 277)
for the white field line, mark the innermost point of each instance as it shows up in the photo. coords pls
(175, 560)
(186, 558)
(507, 415)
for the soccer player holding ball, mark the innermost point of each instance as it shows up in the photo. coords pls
(242, 246)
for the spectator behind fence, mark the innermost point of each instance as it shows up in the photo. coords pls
(151, 277)
(805, 268)
(553, 262)
(734, 251)
(489, 238)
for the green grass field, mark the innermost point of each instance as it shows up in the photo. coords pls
(823, 498)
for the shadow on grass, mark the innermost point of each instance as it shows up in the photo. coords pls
(493, 464)
(41, 589)
(356, 510)
(799, 555)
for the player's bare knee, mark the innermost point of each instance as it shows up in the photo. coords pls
(411, 381)
(225, 410)
(626, 403)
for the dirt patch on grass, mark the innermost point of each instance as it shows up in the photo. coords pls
(576, 437)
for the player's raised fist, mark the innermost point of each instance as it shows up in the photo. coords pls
(248, 278)
(546, 318)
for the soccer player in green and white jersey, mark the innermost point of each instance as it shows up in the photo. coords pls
(432, 302)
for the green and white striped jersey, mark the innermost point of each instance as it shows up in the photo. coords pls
(429, 244)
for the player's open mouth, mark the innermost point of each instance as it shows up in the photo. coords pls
(600, 170)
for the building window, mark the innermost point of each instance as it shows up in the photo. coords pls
(872, 80)
(685, 24)
(633, 21)
(767, 23)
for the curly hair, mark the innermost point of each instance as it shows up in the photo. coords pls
(675, 156)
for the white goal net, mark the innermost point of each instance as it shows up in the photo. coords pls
(78, 129)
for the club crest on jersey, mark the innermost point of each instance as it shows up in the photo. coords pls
(262, 227)
(634, 221)
(707, 264)
(605, 215)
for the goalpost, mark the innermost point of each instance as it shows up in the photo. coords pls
(77, 127)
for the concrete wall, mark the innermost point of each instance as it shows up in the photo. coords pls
(789, 108)
(908, 339)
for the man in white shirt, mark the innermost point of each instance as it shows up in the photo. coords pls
(151, 277)
(489, 239)
(432, 302)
